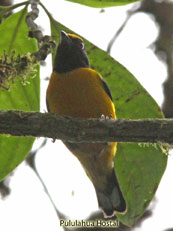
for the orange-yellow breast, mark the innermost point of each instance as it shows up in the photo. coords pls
(79, 93)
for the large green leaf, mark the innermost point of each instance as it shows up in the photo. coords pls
(139, 169)
(14, 36)
(103, 3)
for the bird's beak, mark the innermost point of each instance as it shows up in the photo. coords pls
(64, 38)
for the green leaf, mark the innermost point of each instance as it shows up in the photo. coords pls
(14, 36)
(103, 3)
(139, 168)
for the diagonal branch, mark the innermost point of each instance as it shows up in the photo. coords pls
(112, 41)
(18, 123)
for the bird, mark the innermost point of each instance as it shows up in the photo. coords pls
(77, 90)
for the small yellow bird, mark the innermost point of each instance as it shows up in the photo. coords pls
(78, 91)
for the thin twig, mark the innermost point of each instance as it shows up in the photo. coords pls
(31, 162)
(9, 8)
(112, 41)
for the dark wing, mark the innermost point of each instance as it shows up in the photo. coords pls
(48, 109)
(106, 88)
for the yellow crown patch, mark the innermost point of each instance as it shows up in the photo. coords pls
(75, 36)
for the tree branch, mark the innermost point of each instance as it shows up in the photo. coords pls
(18, 123)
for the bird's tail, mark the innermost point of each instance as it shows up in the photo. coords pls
(110, 199)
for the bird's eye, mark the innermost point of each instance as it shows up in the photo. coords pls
(82, 46)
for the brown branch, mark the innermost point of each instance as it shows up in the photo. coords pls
(18, 123)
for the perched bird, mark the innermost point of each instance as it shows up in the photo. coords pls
(78, 91)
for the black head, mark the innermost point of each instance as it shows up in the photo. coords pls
(71, 53)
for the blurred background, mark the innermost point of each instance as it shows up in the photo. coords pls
(51, 183)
